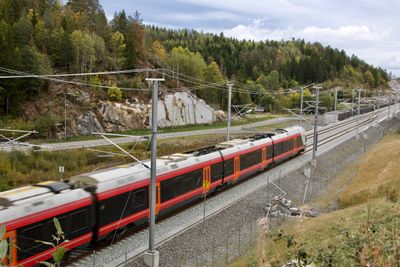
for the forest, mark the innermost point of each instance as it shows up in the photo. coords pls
(46, 37)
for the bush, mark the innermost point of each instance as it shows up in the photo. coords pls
(46, 124)
(114, 93)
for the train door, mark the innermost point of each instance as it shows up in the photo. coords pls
(206, 179)
(236, 168)
(264, 157)
(11, 257)
(158, 197)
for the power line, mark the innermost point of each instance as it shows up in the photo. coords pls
(81, 73)
(21, 73)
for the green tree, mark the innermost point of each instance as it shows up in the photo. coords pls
(186, 62)
(273, 80)
(23, 31)
(84, 50)
(212, 74)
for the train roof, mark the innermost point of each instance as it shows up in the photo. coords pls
(23, 201)
(121, 175)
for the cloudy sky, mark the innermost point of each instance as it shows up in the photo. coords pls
(370, 29)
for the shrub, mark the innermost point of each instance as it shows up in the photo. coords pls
(114, 93)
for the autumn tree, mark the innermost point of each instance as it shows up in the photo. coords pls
(117, 49)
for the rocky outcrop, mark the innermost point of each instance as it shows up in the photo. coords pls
(87, 123)
(180, 108)
(395, 85)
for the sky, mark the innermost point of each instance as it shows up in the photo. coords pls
(369, 29)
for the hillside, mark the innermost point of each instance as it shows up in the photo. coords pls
(47, 37)
(362, 231)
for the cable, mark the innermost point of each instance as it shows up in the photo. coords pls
(81, 74)
(21, 73)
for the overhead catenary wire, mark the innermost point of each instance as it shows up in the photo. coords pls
(129, 71)
(21, 73)
(199, 83)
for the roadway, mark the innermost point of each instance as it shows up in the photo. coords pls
(133, 138)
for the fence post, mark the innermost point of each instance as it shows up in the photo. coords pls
(212, 252)
(251, 231)
(239, 243)
(227, 247)
(94, 258)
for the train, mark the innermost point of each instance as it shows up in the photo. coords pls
(92, 207)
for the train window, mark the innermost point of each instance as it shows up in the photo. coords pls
(250, 159)
(182, 184)
(77, 221)
(228, 167)
(178, 186)
(269, 152)
(167, 190)
(299, 141)
(216, 171)
(288, 145)
(139, 199)
(278, 148)
(74, 224)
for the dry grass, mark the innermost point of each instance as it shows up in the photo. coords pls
(363, 229)
(375, 175)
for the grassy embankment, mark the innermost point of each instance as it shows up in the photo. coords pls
(363, 230)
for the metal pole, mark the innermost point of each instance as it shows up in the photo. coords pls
(65, 117)
(153, 162)
(228, 135)
(379, 98)
(152, 256)
(358, 112)
(352, 102)
(314, 154)
(301, 102)
(336, 91)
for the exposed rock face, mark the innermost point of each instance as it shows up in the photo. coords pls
(220, 115)
(183, 108)
(180, 108)
(122, 117)
(395, 85)
(88, 123)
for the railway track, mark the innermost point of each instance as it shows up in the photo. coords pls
(138, 236)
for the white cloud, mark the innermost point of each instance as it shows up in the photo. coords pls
(213, 15)
(259, 30)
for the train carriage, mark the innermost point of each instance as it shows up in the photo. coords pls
(28, 214)
(92, 206)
